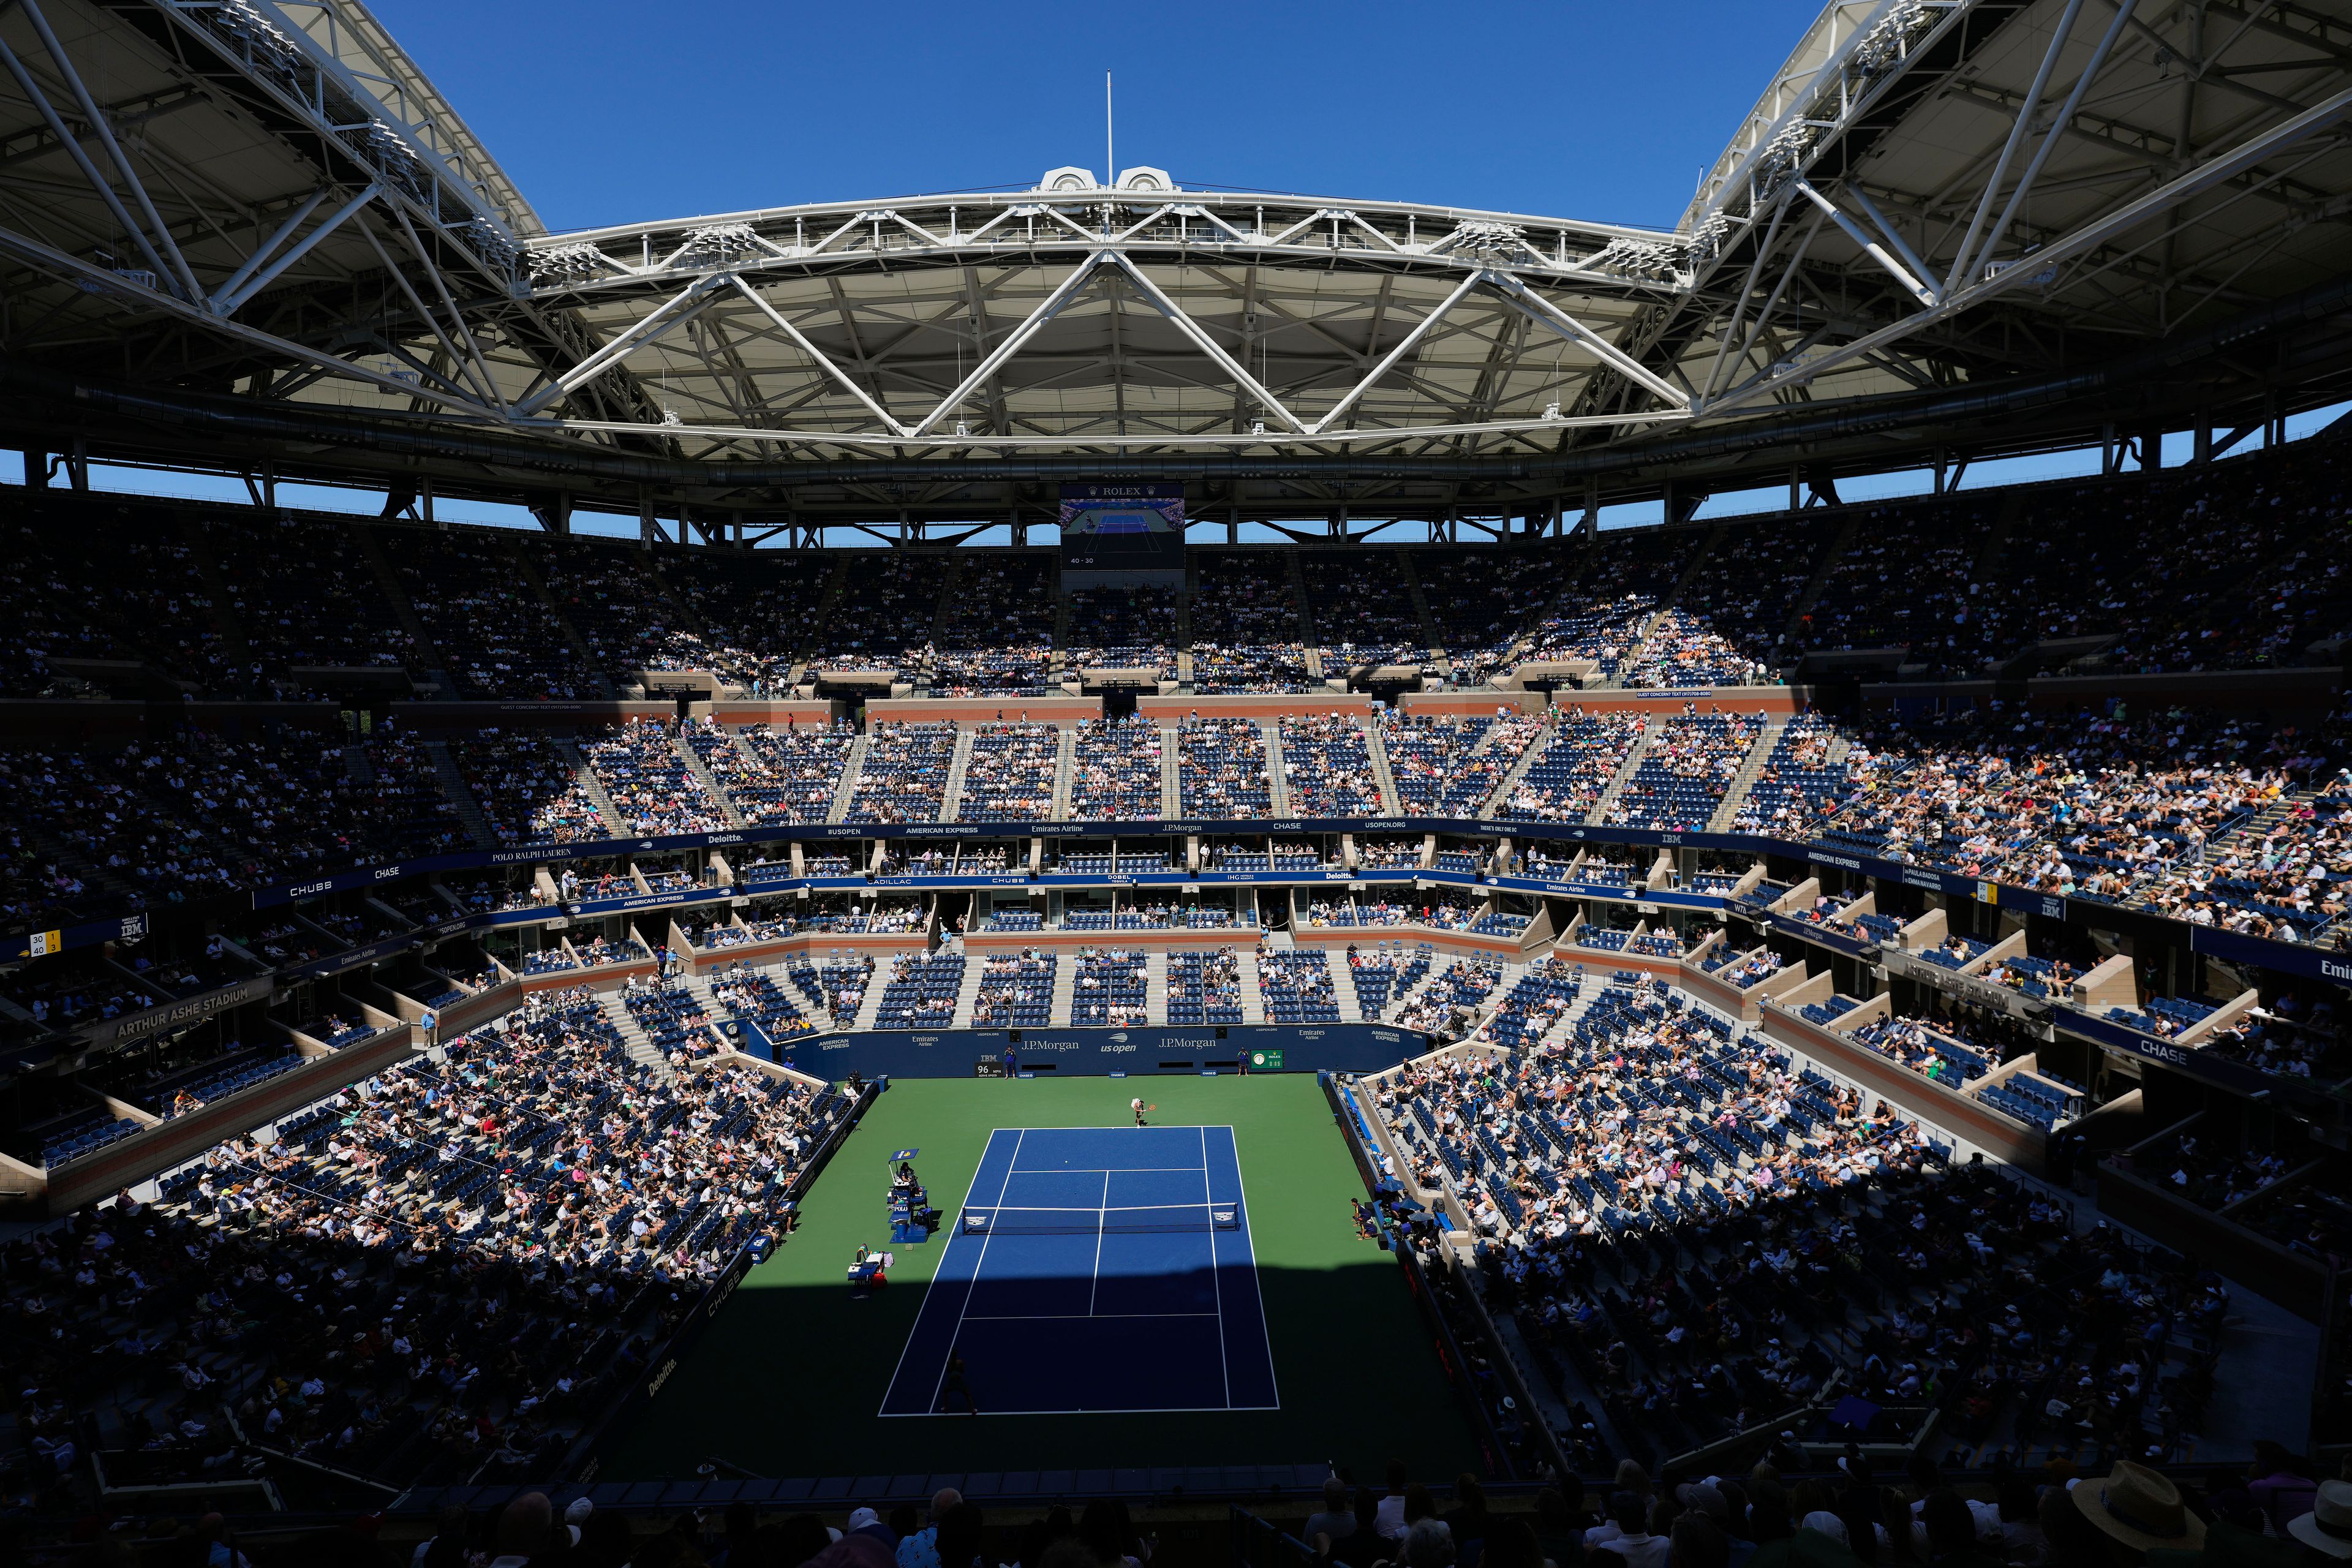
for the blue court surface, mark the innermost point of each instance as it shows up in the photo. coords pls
(1091, 1270)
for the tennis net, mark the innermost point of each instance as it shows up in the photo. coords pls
(1170, 1220)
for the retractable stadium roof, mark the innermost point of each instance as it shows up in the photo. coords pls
(265, 239)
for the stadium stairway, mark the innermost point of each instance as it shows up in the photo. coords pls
(694, 765)
(1625, 771)
(633, 1038)
(1171, 790)
(1438, 965)
(852, 765)
(1065, 765)
(613, 822)
(1298, 579)
(1528, 756)
(951, 798)
(436, 672)
(967, 994)
(1751, 768)
(356, 766)
(1343, 989)
(1379, 753)
(1155, 987)
(809, 1006)
(1278, 784)
(1253, 999)
(452, 788)
(869, 1006)
(585, 657)
(1810, 595)
(1066, 987)
(1430, 636)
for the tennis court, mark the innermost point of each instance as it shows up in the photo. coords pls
(1095, 1270)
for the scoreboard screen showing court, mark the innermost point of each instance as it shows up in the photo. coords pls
(1122, 528)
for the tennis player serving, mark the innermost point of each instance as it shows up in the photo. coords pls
(1138, 1106)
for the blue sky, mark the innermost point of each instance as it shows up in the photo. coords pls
(606, 112)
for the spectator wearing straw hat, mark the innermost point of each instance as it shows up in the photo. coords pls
(2137, 1509)
(2327, 1527)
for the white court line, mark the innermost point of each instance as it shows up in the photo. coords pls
(1093, 1286)
(1265, 1324)
(1223, 1369)
(981, 1262)
(1072, 1317)
(1097, 1206)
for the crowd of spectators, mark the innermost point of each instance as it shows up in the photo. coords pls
(1221, 768)
(1685, 771)
(795, 771)
(456, 1263)
(1010, 774)
(1442, 767)
(1326, 764)
(528, 791)
(1581, 755)
(646, 777)
(904, 776)
(1121, 629)
(1115, 772)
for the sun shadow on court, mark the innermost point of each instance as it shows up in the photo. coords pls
(792, 1380)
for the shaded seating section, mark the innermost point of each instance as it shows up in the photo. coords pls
(496, 637)
(1245, 625)
(889, 599)
(529, 793)
(996, 629)
(55, 1141)
(1362, 607)
(514, 1226)
(1122, 629)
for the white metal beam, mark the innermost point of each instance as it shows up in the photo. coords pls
(672, 313)
(1199, 337)
(2027, 110)
(2091, 234)
(1921, 291)
(800, 341)
(1389, 361)
(1547, 314)
(227, 301)
(1048, 309)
